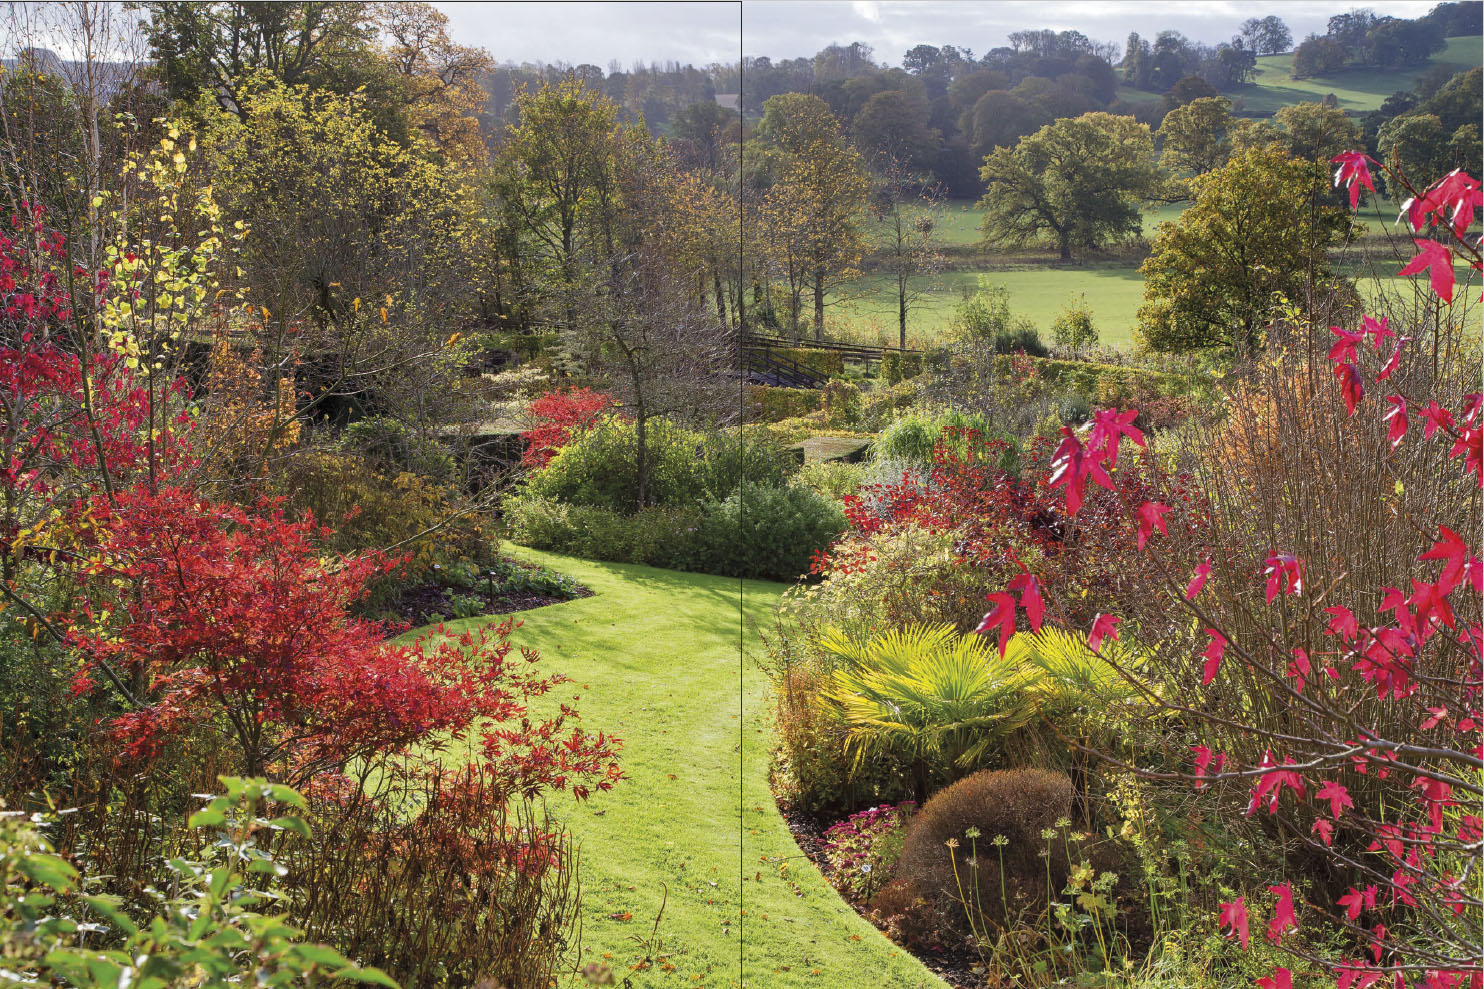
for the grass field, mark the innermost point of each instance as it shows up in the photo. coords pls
(1357, 91)
(655, 657)
(959, 226)
(1037, 293)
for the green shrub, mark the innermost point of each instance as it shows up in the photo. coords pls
(891, 366)
(660, 536)
(769, 532)
(911, 438)
(391, 447)
(1073, 326)
(766, 403)
(829, 363)
(842, 404)
(686, 467)
(911, 365)
(832, 479)
(942, 701)
(985, 318)
(1111, 384)
(814, 772)
(208, 931)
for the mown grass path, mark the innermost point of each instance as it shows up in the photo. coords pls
(654, 655)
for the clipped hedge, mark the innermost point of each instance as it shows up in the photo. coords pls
(766, 403)
(898, 365)
(829, 363)
(1108, 384)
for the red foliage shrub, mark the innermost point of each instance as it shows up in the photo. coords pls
(1337, 701)
(233, 617)
(559, 416)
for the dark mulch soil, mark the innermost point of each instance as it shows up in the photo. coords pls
(421, 604)
(954, 966)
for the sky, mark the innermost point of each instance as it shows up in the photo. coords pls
(704, 32)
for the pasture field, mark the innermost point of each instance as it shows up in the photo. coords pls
(1037, 293)
(1357, 90)
(867, 312)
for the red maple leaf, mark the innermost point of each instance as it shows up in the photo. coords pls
(1071, 465)
(1282, 978)
(1202, 571)
(1108, 427)
(1030, 598)
(1352, 389)
(1437, 418)
(1450, 548)
(1396, 418)
(1103, 626)
(1342, 622)
(1392, 362)
(1152, 516)
(1337, 795)
(1352, 902)
(1354, 172)
(1214, 651)
(1343, 349)
(1001, 616)
(1283, 915)
(1234, 915)
(1437, 260)
(1286, 573)
(1376, 329)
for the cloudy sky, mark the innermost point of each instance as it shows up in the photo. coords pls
(702, 32)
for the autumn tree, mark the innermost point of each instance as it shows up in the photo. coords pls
(1218, 274)
(1193, 138)
(1074, 184)
(552, 167)
(906, 216)
(444, 95)
(892, 126)
(821, 180)
(1318, 55)
(215, 47)
(1418, 144)
(998, 119)
(357, 247)
(643, 324)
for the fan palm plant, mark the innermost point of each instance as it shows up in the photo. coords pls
(941, 700)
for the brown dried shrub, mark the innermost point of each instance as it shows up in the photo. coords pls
(907, 915)
(999, 884)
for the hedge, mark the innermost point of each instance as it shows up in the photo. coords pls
(1108, 384)
(766, 403)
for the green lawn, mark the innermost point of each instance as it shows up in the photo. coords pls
(867, 310)
(1358, 90)
(654, 654)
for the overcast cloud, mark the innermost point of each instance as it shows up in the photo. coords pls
(701, 32)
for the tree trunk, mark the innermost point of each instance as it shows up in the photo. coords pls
(641, 455)
(721, 302)
(819, 305)
(902, 313)
(1066, 247)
